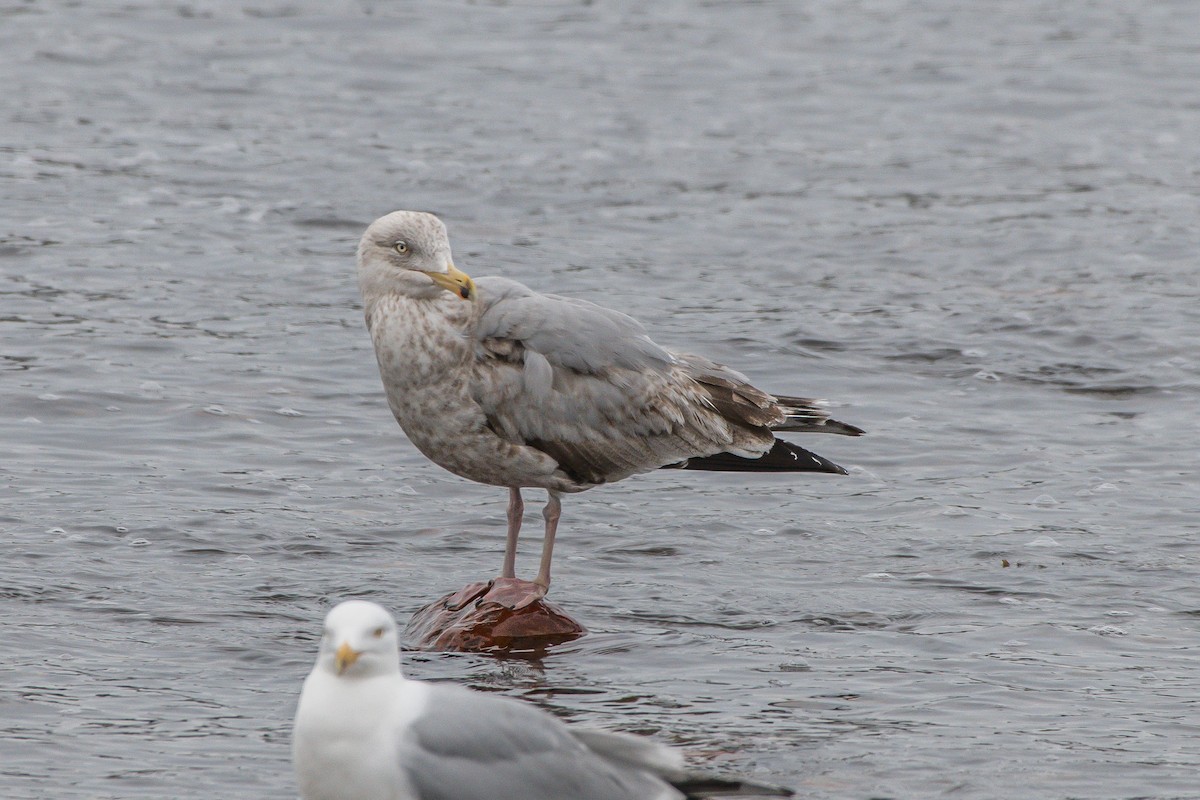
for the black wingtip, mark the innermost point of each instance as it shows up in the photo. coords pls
(705, 787)
(782, 457)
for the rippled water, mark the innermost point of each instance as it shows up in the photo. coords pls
(972, 229)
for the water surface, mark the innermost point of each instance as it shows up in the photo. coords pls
(973, 230)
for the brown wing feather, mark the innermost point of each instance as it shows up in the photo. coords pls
(741, 404)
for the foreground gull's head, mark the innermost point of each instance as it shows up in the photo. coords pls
(409, 252)
(359, 641)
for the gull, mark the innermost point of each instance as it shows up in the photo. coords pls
(365, 732)
(505, 386)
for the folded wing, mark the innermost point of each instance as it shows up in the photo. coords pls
(587, 385)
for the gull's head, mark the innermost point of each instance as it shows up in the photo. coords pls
(408, 252)
(359, 641)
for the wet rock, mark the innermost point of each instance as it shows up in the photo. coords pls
(502, 615)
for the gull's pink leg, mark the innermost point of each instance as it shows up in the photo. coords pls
(509, 590)
(551, 513)
(516, 510)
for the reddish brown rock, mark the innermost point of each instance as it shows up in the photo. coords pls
(502, 615)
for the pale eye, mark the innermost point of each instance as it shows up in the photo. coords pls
(377, 633)
(400, 247)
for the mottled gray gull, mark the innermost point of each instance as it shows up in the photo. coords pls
(365, 732)
(505, 386)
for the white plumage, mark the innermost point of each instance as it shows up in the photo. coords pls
(365, 732)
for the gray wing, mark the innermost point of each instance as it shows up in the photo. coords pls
(622, 748)
(472, 746)
(587, 386)
(571, 333)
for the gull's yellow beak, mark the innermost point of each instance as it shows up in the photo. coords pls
(454, 281)
(344, 657)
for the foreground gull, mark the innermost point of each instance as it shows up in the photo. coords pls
(365, 732)
(508, 387)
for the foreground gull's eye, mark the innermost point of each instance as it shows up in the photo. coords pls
(377, 633)
(401, 247)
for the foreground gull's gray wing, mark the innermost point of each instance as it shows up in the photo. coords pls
(637, 751)
(471, 746)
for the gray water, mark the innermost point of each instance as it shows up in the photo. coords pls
(972, 227)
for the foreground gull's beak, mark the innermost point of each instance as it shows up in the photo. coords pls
(455, 281)
(344, 657)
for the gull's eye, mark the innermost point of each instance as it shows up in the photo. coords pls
(377, 633)
(401, 247)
